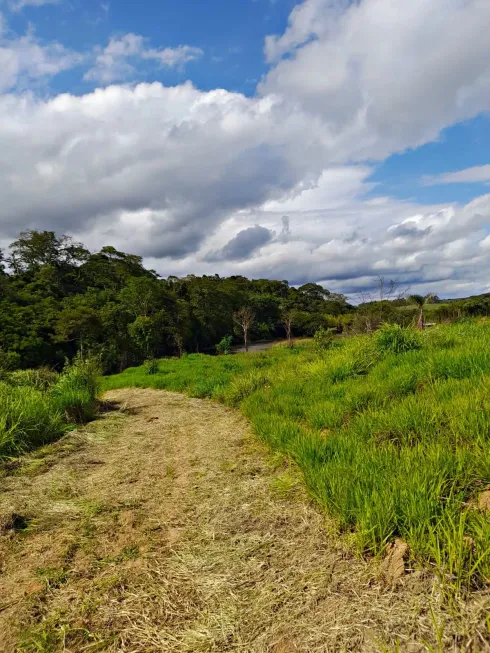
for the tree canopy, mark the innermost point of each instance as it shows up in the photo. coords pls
(57, 298)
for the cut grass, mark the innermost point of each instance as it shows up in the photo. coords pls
(226, 553)
(391, 432)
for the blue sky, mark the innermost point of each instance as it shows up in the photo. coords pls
(231, 34)
(461, 146)
(321, 140)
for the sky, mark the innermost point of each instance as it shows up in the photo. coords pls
(332, 141)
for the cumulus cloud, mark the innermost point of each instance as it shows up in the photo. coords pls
(175, 161)
(175, 174)
(466, 176)
(442, 249)
(243, 245)
(382, 75)
(116, 61)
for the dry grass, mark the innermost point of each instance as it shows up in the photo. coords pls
(165, 527)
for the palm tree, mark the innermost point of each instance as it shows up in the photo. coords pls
(420, 301)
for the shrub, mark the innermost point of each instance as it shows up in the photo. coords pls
(38, 406)
(9, 360)
(323, 339)
(151, 367)
(394, 339)
(28, 418)
(224, 345)
(42, 378)
(75, 393)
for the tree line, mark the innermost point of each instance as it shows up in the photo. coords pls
(57, 299)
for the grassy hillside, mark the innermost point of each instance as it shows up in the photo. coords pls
(391, 432)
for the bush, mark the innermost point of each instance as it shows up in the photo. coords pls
(9, 360)
(38, 406)
(151, 367)
(28, 418)
(42, 378)
(394, 339)
(224, 345)
(75, 393)
(323, 339)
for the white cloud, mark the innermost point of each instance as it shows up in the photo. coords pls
(179, 175)
(18, 5)
(383, 75)
(466, 176)
(177, 159)
(117, 60)
(443, 249)
(174, 57)
(26, 59)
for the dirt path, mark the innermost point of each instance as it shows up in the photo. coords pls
(165, 527)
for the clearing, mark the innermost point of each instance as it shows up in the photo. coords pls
(165, 526)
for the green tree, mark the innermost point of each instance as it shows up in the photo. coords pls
(79, 322)
(35, 249)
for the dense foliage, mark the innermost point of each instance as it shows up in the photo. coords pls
(391, 432)
(57, 299)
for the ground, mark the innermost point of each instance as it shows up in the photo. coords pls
(165, 526)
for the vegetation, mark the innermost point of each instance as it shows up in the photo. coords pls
(58, 299)
(420, 302)
(224, 345)
(391, 432)
(390, 428)
(38, 406)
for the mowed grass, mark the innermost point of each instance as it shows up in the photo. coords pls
(392, 438)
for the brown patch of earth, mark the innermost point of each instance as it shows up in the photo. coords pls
(164, 527)
(393, 566)
(484, 501)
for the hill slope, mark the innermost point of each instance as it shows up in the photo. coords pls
(165, 527)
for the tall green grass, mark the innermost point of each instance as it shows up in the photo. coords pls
(391, 432)
(38, 406)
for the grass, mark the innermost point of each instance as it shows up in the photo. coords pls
(391, 433)
(39, 406)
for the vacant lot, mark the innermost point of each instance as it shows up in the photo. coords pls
(165, 527)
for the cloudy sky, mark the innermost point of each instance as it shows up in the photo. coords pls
(332, 141)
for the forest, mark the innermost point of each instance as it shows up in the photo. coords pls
(58, 299)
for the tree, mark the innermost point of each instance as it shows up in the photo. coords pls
(288, 317)
(111, 269)
(35, 249)
(78, 322)
(146, 333)
(244, 317)
(420, 301)
(143, 296)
